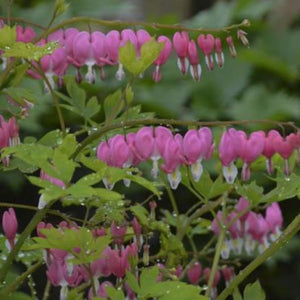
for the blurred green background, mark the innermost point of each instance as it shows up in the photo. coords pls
(261, 83)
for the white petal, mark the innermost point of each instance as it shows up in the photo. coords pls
(230, 172)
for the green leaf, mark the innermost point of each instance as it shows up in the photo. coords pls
(29, 50)
(33, 154)
(92, 108)
(21, 94)
(148, 279)
(149, 52)
(170, 290)
(20, 72)
(113, 105)
(113, 175)
(252, 192)
(287, 187)
(141, 213)
(60, 7)
(115, 294)
(129, 95)
(52, 138)
(73, 294)
(167, 290)
(77, 94)
(237, 295)
(63, 167)
(68, 239)
(110, 210)
(18, 296)
(7, 36)
(68, 145)
(254, 291)
(132, 282)
(206, 186)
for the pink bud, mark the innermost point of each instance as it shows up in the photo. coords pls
(136, 226)
(269, 148)
(241, 35)
(112, 41)
(10, 224)
(228, 154)
(230, 43)
(228, 274)
(118, 233)
(56, 273)
(194, 273)
(103, 153)
(144, 143)
(217, 277)
(242, 205)
(181, 44)
(162, 57)
(274, 217)
(24, 35)
(119, 151)
(219, 56)
(206, 44)
(195, 67)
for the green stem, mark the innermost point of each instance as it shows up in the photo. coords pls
(172, 200)
(50, 211)
(53, 95)
(24, 235)
(21, 20)
(14, 285)
(215, 261)
(133, 123)
(47, 290)
(287, 234)
(199, 212)
(156, 26)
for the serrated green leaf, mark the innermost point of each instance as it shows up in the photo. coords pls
(68, 239)
(141, 213)
(148, 279)
(237, 295)
(7, 36)
(149, 52)
(90, 179)
(252, 192)
(92, 108)
(254, 291)
(115, 294)
(20, 94)
(129, 94)
(73, 294)
(132, 282)
(63, 167)
(77, 95)
(52, 138)
(29, 51)
(68, 145)
(113, 105)
(137, 65)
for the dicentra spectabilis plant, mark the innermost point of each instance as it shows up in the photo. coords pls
(124, 248)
